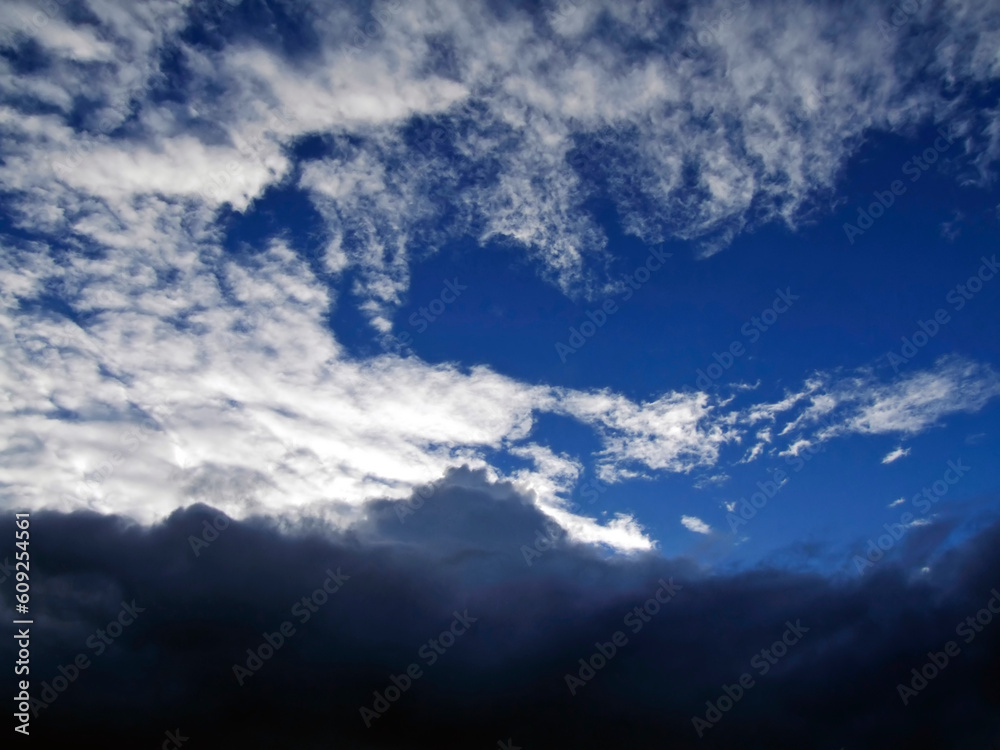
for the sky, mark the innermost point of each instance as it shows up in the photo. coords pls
(526, 312)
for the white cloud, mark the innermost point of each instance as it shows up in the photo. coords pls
(913, 404)
(552, 478)
(677, 432)
(523, 120)
(709, 480)
(895, 455)
(897, 503)
(860, 404)
(208, 366)
(695, 524)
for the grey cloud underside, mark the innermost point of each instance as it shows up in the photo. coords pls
(506, 676)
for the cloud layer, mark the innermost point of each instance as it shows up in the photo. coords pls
(444, 119)
(206, 602)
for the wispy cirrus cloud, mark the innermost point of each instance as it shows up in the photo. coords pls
(895, 455)
(501, 123)
(834, 405)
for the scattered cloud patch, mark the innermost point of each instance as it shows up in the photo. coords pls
(895, 455)
(692, 523)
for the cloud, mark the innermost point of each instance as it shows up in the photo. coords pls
(896, 503)
(895, 455)
(911, 405)
(164, 390)
(692, 523)
(710, 480)
(460, 552)
(450, 120)
(858, 403)
(677, 432)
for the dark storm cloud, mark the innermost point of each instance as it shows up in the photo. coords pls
(380, 598)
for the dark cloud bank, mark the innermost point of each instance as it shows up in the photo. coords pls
(399, 585)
